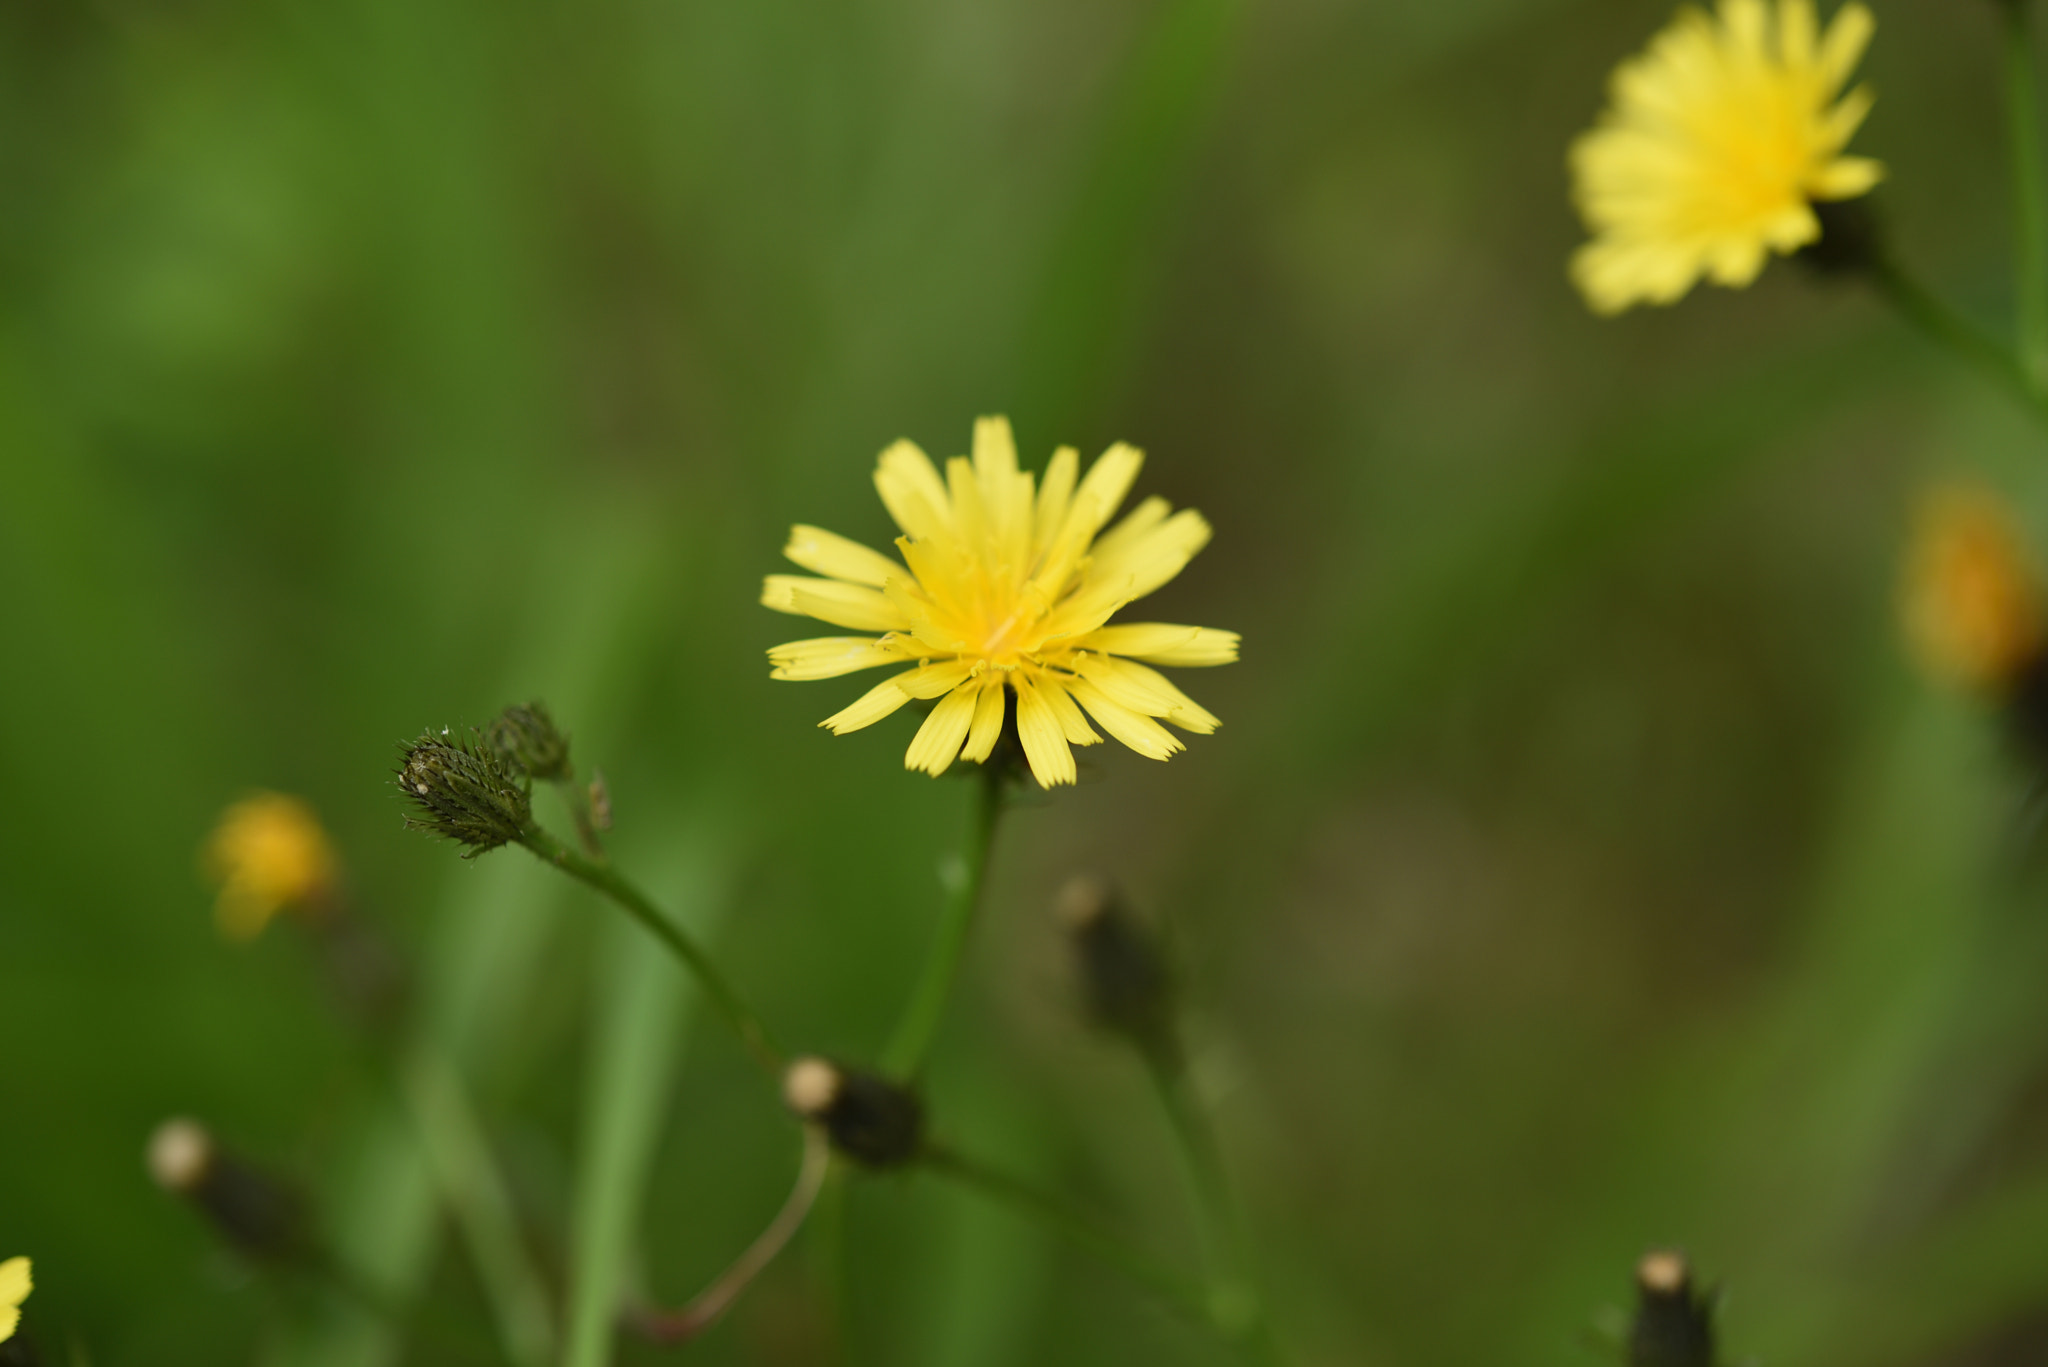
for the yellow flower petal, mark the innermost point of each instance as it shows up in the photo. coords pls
(990, 705)
(1134, 729)
(1147, 691)
(836, 557)
(875, 704)
(1162, 644)
(843, 605)
(15, 1284)
(1045, 744)
(937, 743)
(912, 492)
(827, 657)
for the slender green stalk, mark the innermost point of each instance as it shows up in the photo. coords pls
(2029, 192)
(1944, 325)
(919, 1026)
(1238, 1303)
(475, 1194)
(724, 998)
(1184, 1293)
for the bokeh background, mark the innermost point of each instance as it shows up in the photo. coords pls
(1580, 867)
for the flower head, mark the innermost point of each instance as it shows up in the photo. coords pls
(1717, 142)
(1972, 599)
(1002, 601)
(268, 853)
(15, 1284)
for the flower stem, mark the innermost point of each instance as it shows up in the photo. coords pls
(1944, 325)
(915, 1032)
(1238, 1304)
(1184, 1293)
(2030, 194)
(721, 993)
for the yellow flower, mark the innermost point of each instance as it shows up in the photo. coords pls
(268, 853)
(1715, 144)
(1971, 598)
(1006, 594)
(14, 1288)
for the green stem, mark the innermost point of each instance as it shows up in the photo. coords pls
(2030, 194)
(1944, 325)
(1239, 1305)
(919, 1026)
(476, 1196)
(1186, 1294)
(720, 992)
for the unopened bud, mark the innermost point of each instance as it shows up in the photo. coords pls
(1125, 985)
(870, 1119)
(526, 739)
(464, 791)
(252, 1210)
(1674, 1326)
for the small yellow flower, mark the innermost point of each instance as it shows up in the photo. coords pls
(268, 853)
(14, 1288)
(1971, 598)
(1716, 143)
(1006, 593)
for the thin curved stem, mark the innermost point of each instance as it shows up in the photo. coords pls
(1240, 1304)
(713, 1301)
(2030, 194)
(912, 1042)
(724, 998)
(1184, 1293)
(1944, 325)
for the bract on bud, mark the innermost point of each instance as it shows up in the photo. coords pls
(1674, 1325)
(249, 1208)
(465, 792)
(527, 740)
(875, 1122)
(1125, 985)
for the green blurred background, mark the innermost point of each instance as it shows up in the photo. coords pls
(1579, 867)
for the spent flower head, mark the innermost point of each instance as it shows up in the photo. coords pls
(1716, 144)
(267, 854)
(1002, 601)
(1972, 600)
(15, 1284)
(464, 790)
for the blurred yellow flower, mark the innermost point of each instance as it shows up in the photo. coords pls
(14, 1288)
(1972, 599)
(1007, 593)
(268, 853)
(1715, 144)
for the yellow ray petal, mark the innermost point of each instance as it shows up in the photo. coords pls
(1134, 729)
(1072, 724)
(836, 557)
(1147, 691)
(827, 657)
(933, 677)
(1054, 496)
(913, 493)
(1045, 745)
(15, 1284)
(1151, 558)
(1163, 644)
(989, 707)
(829, 600)
(937, 743)
(873, 705)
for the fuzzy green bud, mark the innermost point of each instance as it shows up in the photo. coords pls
(527, 740)
(875, 1122)
(1674, 1324)
(1126, 987)
(464, 790)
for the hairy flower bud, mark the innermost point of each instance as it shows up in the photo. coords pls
(464, 791)
(1674, 1325)
(527, 740)
(249, 1208)
(1125, 985)
(870, 1119)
